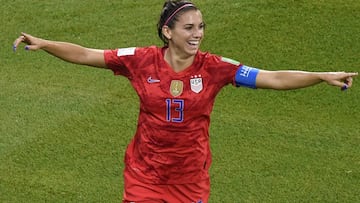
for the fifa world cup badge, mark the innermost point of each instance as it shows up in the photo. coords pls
(196, 83)
(176, 87)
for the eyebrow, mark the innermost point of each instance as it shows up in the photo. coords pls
(202, 23)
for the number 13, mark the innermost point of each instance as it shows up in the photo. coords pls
(179, 109)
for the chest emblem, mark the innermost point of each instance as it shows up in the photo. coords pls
(196, 83)
(176, 87)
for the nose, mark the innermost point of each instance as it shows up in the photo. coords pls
(198, 32)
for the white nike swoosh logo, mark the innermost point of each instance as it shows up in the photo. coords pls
(150, 80)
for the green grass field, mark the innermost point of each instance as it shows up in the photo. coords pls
(64, 128)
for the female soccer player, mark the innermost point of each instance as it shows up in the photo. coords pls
(169, 157)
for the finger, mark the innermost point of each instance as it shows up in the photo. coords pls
(18, 41)
(31, 47)
(349, 80)
(352, 74)
(344, 87)
(337, 83)
(27, 37)
(347, 84)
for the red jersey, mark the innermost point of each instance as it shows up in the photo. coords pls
(171, 144)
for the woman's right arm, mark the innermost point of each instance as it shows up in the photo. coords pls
(69, 52)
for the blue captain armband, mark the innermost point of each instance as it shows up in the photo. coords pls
(246, 76)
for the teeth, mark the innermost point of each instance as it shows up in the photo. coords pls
(194, 42)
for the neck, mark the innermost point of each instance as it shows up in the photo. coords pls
(177, 62)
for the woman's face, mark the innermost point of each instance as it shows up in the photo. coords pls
(187, 33)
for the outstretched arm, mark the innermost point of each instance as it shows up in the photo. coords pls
(286, 80)
(66, 51)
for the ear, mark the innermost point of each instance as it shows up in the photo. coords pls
(166, 32)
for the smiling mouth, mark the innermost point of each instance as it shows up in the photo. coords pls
(194, 43)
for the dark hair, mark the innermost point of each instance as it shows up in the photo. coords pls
(172, 9)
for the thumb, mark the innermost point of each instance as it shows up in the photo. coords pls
(336, 83)
(347, 84)
(32, 47)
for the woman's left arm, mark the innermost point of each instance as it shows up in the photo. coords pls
(287, 80)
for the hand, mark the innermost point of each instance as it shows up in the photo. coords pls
(341, 79)
(33, 43)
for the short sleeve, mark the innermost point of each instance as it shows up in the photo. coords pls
(120, 60)
(223, 69)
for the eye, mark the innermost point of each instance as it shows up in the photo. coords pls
(188, 27)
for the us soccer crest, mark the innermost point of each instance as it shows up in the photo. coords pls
(196, 83)
(176, 87)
